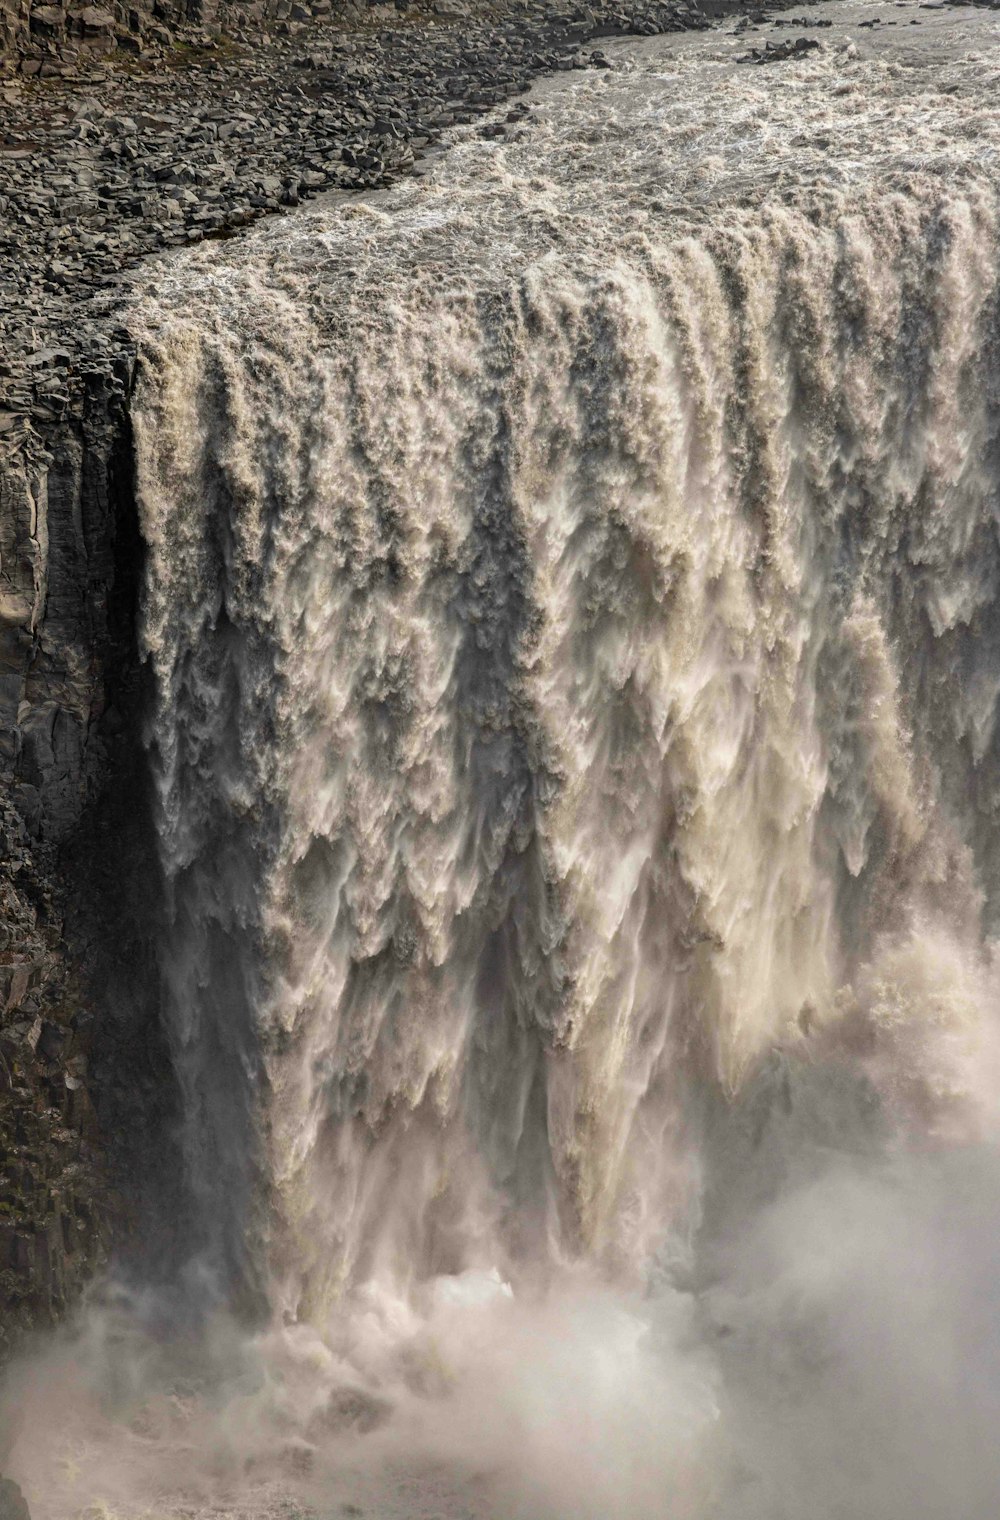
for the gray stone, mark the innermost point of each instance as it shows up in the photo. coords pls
(93, 19)
(49, 20)
(13, 1505)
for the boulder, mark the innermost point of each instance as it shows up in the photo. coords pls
(48, 20)
(91, 21)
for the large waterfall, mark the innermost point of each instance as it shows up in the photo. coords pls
(573, 603)
(572, 599)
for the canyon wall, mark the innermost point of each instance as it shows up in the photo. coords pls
(68, 561)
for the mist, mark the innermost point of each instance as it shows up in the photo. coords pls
(835, 1351)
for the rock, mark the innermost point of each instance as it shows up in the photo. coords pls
(13, 1505)
(48, 20)
(779, 52)
(91, 21)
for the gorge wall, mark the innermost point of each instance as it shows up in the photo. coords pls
(70, 807)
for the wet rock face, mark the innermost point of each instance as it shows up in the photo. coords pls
(56, 553)
(85, 1084)
(58, 654)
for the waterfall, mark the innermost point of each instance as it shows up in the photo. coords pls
(572, 601)
(572, 605)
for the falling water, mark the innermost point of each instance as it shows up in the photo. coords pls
(572, 602)
(573, 598)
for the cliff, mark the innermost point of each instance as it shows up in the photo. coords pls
(68, 562)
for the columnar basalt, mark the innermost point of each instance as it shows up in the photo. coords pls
(63, 649)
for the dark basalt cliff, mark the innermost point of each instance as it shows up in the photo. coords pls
(79, 1043)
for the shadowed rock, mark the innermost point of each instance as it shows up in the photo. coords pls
(13, 1505)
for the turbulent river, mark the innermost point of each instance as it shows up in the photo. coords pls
(573, 599)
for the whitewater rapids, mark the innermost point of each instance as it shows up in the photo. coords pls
(573, 604)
